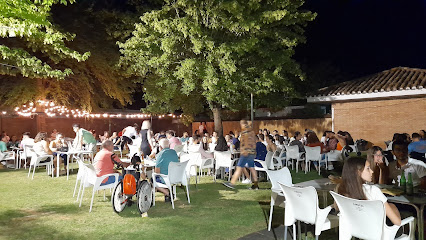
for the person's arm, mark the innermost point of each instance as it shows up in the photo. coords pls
(117, 159)
(53, 149)
(46, 147)
(157, 170)
(149, 137)
(393, 213)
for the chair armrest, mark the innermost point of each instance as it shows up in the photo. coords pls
(390, 231)
(100, 179)
(263, 163)
(321, 217)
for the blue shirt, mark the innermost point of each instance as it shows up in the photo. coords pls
(260, 151)
(419, 146)
(236, 143)
(165, 157)
(3, 147)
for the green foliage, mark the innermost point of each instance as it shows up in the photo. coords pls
(27, 22)
(195, 53)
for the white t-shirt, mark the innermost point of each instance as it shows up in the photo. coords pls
(27, 141)
(129, 132)
(415, 167)
(39, 148)
(373, 193)
(214, 140)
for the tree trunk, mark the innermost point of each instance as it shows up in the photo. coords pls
(218, 127)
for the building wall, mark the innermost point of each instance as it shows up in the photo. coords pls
(319, 125)
(18, 125)
(377, 121)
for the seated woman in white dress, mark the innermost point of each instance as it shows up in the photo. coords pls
(356, 173)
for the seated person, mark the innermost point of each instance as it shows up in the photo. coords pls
(26, 140)
(296, 142)
(235, 141)
(173, 140)
(13, 142)
(41, 146)
(356, 172)
(59, 145)
(260, 150)
(163, 158)
(197, 146)
(379, 165)
(104, 137)
(404, 164)
(3, 145)
(3, 149)
(331, 143)
(417, 148)
(271, 147)
(104, 162)
(221, 145)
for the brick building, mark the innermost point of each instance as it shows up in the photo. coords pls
(377, 106)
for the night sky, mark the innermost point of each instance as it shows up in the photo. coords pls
(362, 37)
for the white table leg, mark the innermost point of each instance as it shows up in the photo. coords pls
(57, 165)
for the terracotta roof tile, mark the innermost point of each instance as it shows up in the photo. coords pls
(399, 78)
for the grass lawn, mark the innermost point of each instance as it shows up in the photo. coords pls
(44, 208)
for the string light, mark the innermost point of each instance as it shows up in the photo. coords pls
(53, 110)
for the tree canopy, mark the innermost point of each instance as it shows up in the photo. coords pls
(215, 53)
(43, 59)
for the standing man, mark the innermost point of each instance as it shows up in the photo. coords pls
(82, 136)
(247, 154)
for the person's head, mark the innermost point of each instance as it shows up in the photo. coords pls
(269, 139)
(330, 134)
(185, 134)
(245, 126)
(231, 133)
(25, 135)
(108, 145)
(146, 125)
(422, 134)
(59, 136)
(285, 133)
(311, 137)
(221, 144)
(214, 134)
(54, 131)
(261, 137)
(75, 127)
(4, 138)
(40, 136)
(170, 134)
(277, 137)
(227, 137)
(164, 143)
(196, 139)
(114, 134)
(14, 138)
(206, 134)
(196, 132)
(265, 132)
(260, 131)
(205, 140)
(400, 150)
(356, 171)
(297, 135)
(275, 132)
(375, 155)
(106, 134)
(416, 137)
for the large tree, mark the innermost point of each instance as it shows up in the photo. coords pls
(215, 53)
(39, 60)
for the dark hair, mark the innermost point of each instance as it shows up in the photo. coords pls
(221, 145)
(415, 135)
(371, 152)
(312, 138)
(297, 133)
(135, 125)
(26, 133)
(76, 125)
(195, 137)
(281, 140)
(351, 185)
(261, 137)
(231, 133)
(171, 132)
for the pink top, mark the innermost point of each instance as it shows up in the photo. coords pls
(103, 163)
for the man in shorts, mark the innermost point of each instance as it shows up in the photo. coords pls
(247, 154)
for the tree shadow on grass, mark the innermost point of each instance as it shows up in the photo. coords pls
(29, 223)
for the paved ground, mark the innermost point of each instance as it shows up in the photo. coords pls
(275, 233)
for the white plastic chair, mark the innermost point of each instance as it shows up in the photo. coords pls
(366, 219)
(333, 156)
(224, 159)
(292, 153)
(80, 175)
(23, 155)
(9, 156)
(275, 162)
(277, 197)
(301, 204)
(177, 175)
(278, 159)
(36, 161)
(91, 180)
(212, 146)
(313, 154)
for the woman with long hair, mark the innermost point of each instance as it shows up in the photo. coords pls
(356, 173)
(146, 145)
(378, 164)
(221, 145)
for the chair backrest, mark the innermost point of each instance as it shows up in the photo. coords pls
(313, 153)
(81, 169)
(212, 146)
(301, 204)
(283, 176)
(194, 159)
(334, 156)
(177, 173)
(89, 174)
(360, 218)
(268, 160)
(26, 152)
(292, 152)
(178, 148)
(223, 159)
